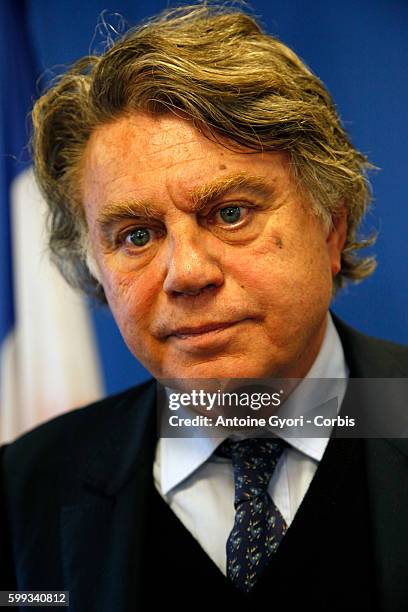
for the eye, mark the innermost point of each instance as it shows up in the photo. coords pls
(231, 214)
(138, 237)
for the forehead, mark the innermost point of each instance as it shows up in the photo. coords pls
(141, 156)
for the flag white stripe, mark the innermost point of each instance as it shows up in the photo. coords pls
(9, 416)
(50, 359)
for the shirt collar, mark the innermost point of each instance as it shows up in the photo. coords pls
(330, 363)
(178, 458)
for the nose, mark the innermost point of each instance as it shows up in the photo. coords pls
(191, 268)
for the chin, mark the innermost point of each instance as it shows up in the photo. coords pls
(217, 370)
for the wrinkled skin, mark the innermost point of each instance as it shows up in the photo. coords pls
(235, 284)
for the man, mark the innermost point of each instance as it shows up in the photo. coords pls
(199, 181)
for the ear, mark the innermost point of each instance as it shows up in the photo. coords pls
(336, 238)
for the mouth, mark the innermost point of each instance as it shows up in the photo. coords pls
(202, 330)
(211, 337)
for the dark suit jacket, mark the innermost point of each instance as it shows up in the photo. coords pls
(74, 506)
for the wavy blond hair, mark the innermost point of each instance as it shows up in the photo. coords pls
(217, 65)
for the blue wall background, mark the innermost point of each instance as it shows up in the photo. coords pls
(359, 48)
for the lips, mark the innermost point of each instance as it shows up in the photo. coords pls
(185, 332)
(164, 330)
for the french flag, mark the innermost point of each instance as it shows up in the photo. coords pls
(48, 356)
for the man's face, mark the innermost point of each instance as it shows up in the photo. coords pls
(211, 261)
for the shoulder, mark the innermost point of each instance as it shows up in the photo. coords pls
(371, 357)
(68, 437)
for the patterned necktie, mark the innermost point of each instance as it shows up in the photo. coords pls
(258, 526)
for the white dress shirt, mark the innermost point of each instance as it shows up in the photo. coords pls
(199, 486)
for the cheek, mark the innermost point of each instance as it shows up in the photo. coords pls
(263, 263)
(130, 298)
(282, 273)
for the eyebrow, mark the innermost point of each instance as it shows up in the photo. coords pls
(206, 194)
(201, 197)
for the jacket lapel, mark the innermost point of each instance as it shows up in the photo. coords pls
(102, 536)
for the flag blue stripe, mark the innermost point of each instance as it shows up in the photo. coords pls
(17, 87)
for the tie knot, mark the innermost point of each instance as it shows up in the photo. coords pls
(253, 461)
